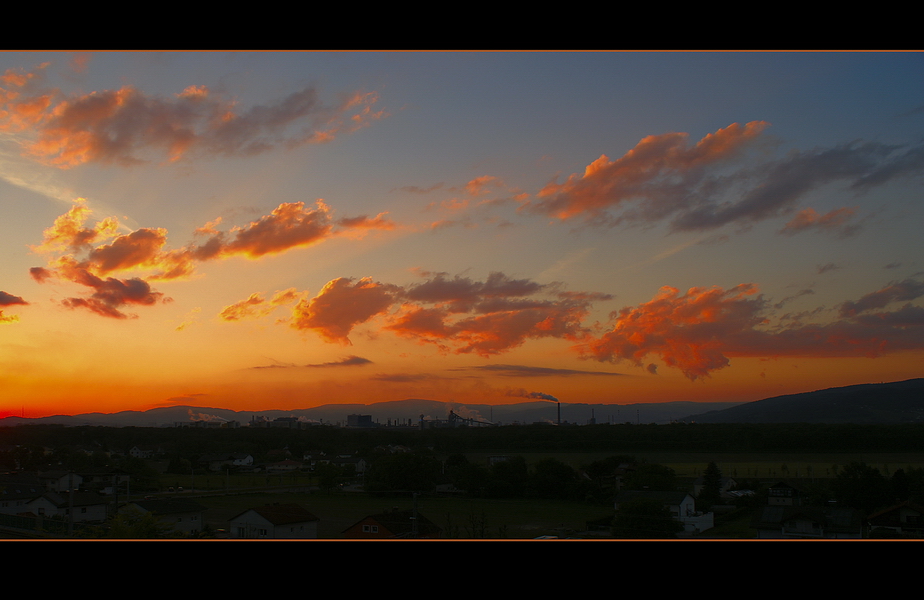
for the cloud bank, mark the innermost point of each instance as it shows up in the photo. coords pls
(126, 126)
(87, 255)
(721, 180)
(699, 331)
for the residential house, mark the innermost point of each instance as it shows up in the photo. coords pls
(17, 490)
(359, 464)
(86, 507)
(217, 462)
(393, 524)
(907, 517)
(784, 494)
(60, 481)
(179, 514)
(284, 466)
(725, 484)
(682, 506)
(275, 521)
(807, 522)
(105, 481)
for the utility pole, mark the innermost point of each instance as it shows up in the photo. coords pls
(414, 530)
(70, 504)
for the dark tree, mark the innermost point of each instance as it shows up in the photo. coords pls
(712, 487)
(508, 478)
(411, 472)
(652, 477)
(899, 484)
(134, 524)
(552, 478)
(645, 519)
(862, 487)
(328, 476)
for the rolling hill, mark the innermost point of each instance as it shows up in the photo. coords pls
(870, 403)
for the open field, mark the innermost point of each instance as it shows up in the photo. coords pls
(741, 465)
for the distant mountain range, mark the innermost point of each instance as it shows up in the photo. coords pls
(395, 412)
(870, 403)
(883, 403)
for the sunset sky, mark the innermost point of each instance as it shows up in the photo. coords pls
(282, 230)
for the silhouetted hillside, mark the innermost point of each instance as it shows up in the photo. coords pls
(871, 403)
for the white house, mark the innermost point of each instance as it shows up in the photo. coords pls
(275, 521)
(681, 504)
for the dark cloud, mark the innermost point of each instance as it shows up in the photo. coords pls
(10, 300)
(112, 294)
(799, 294)
(834, 221)
(658, 173)
(348, 361)
(413, 189)
(526, 371)
(463, 293)
(775, 187)
(664, 178)
(901, 291)
(402, 377)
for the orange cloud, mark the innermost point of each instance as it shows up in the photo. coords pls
(808, 219)
(139, 248)
(290, 225)
(244, 309)
(18, 111)
(127, 126)
(79, 62)
(502, 330)
(642, 172)
(341, 305)
(698, 331)
(256, 306)
(68, 231)
(687, 332)
(503, 313)
(477, 186)
(663, 178)
(468, 316)
(358, 226)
